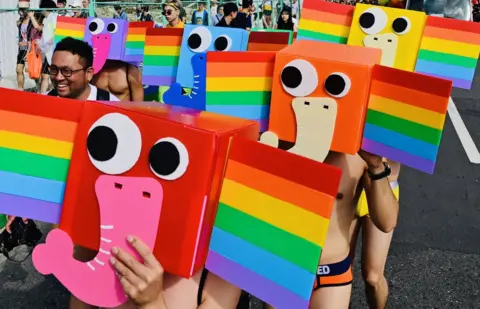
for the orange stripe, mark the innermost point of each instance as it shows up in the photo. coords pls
(277, 187)
(338, 279)
(409, 96)
(326, 17)
(75, 27)
(265, 47)
(56, 129)
(240, 69)
(163, 41)
(137, 31)
(452, 35)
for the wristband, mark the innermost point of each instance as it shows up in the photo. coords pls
(381, 175)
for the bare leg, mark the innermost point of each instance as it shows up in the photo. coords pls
(375, 246)
(354, 231)
(20, 76)
(337, 297)
(44, 83)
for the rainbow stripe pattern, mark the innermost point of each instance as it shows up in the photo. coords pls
(450, 49)
(325, 21)
(244, 90)
(135, 42)
(70, 27)
(36, 144)
(272, 40)
(272, 222)
(405, 117)
(162, 52)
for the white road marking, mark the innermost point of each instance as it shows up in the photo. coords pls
(465, 138)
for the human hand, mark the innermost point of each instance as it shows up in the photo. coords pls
(374, 162)
(143, 283)
(10, 220)
(30, 14)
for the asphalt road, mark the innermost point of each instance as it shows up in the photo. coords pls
(434, 261)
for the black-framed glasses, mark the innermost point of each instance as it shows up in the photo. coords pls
(66, 72)
(167, 12)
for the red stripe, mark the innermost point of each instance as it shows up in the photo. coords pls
(411, 80)
(141, 24)
(248, 56)
(69, 20)
(269, 37)
(165, 31)
(330, 7)
(447, 23)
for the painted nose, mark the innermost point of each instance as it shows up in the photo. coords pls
(137, 188)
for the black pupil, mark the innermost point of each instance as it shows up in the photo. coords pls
(291, 77)
(335, 84)
(367, 20)
(93, 26)
(399, 25)
(111, 27)
(194, 41)
(102, 143)
(164, 158)
(221, 43)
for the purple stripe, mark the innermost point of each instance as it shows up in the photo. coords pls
(158, 80)
(30, 208)
(263, 124)
(403, 157)
(133, 58)
(258, 286)
(457, 82)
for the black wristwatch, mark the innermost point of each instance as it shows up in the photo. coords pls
(381, 175)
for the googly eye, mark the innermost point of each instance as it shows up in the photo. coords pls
(299, 78)
(373, 20)
(401, 25)
(112, 28)
(337, 85)
(199, 39)
(114, 144)
(96, 26)
(223, 43)
(168, 158)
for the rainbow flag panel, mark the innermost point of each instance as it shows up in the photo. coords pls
(272, 222)
(36, 144)
(405, 117)
(135, 42)
(162, 52)
(244, 90)
(450, 50)
(325, 21)
(272, 40)
(69, 27)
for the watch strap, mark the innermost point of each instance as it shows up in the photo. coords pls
(386, 172)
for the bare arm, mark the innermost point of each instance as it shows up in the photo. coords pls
(135, 81)
(219, 294)
(35, 23)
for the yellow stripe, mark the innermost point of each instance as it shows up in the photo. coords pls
(288, 217)
(34, 144)
(239, 83)
(162, 50)
(326, 28)
(68, 32)
(407, 112)
(451, 47)
(135, 38)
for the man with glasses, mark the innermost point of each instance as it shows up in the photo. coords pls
(72, 70)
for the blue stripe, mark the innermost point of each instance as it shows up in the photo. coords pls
(401, 142)
(159, 71)
(133, 51)
(242, 111)
(447, 70)
(32, 187)
(262, 262)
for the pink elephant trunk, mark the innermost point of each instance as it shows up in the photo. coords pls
(101, 48)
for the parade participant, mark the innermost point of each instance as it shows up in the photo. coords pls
(171, 11)
(72, 70)
(230, 11)
(24, 26)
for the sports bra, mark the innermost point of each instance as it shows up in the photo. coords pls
(201, 285)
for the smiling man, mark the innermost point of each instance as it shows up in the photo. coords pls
(71, 72)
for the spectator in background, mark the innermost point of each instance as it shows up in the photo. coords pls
(171, 11)
(295, 8)
(213, 7)
(243, 19)
(76, 13)
(145, 15)
(267, 14)
(119, 13)
(217, 18)
(62, 4)
(24, 26)
(230, 10)
(285, 21)
(85, 5)
(200, 16)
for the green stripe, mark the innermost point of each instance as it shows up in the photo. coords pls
(405, 127)
(238, 97)
(30, 164)
(164, 61)
(447, 58)
(322, 37)
(268, 237)
(136, 45)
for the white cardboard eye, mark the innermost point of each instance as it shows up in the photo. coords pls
(347, 84)
(406, 29)
(380, 20)
(299, 78)
(128, 145)
(183, 159)
(100, 26)
(229, 42)
(115, 29)
(205, 36)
